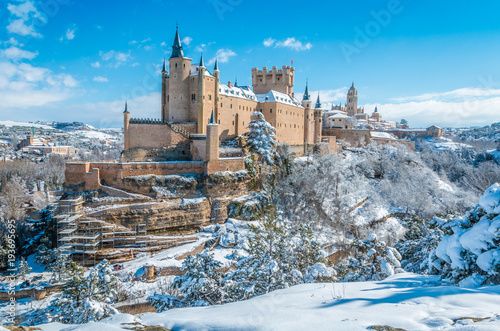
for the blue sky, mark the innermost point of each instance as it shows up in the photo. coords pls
(427, 61)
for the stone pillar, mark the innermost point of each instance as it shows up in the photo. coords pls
(149, 271)
(212, 151)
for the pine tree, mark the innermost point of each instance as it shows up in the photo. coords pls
(201, 285)
(373, 261)
(23, 268)
(262, 138)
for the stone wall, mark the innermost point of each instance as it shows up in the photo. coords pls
(155, 135)
(287, 119)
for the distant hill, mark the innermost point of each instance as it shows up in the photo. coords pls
(491, 132)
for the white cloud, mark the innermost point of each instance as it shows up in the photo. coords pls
(15, 53)
(291, 43)
(458, 94)
(25, 14)
(294, 44)
(19, 27)
(187, 40)
(118, 58)
(327, 97)
(25, 11)
(23, 85)
(201, 48)
(100, 79)
(96, 64)
(461, 107)
(222, 55)
(269, 42)
(163, 44)
(70, 33)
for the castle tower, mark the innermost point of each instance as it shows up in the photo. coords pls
(178, 101)
(126, 122)
(212, 149)
(352, 101)
(308, 117)
(201, 92)
(281, 80)
(164, 91)
(217, 82)
(318, 119)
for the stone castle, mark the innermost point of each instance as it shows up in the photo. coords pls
(190, 93)
(198, 112)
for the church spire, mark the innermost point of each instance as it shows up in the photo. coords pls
(164, 66)
(126, 108)
(318, 103)
(202, 63)
(306, 97)
(216, 66)
(177, 47)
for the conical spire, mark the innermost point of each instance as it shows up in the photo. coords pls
(177, 47)
(212, 120)
(202, 63)
(235, 81)
(216, 66)
(318, 103)
(164, 66)
(306, 97)
(126, 108)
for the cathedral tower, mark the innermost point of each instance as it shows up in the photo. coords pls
(352, 101)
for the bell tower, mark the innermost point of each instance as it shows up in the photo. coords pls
(352, 101)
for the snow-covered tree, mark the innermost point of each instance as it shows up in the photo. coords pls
(86, 299)
(420, 239)
(277, 256)
(23, 268)
(469, 252)
(373, 260)
(262, 138)
(201, 285)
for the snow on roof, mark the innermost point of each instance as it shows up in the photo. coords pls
(339, 116)
(237, 92)
(385, 135)
(275, 96)
(194, 71)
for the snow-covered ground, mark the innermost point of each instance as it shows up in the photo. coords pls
(408, 301)
(9, 124)
(442, 143)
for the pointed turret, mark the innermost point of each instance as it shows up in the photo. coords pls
(212, 119)
(164, 66)
(177, 47)
(318, 103)
(202, 63)
(306, 97)
(216, 66)
(235, 81)
(126, 108)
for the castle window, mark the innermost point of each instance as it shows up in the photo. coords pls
(233, 122)
(271, 111)
(221, 104)
(176, 65)
(209, 97)
(193, 97)
(184, 65)
(231, 106)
